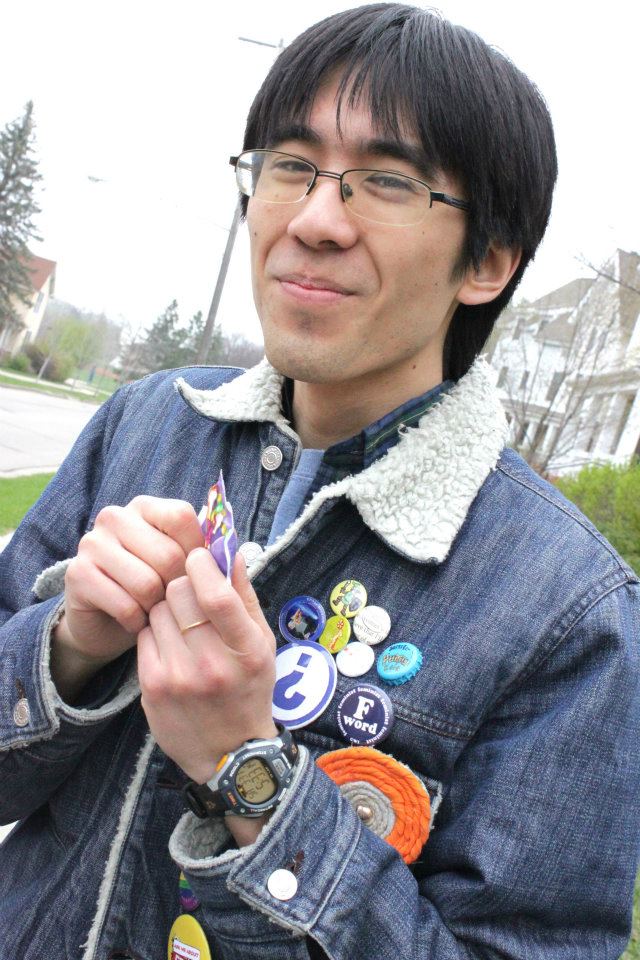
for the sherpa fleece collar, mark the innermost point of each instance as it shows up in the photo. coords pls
(417, 495)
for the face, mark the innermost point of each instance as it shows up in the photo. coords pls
(342, 299)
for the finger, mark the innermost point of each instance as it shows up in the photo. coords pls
(169, 641)
(221, 603)
(184, 606)
(243, 586)
(91, 589)
(137, 536)
(176, 518)
(149, 664)
(133, 574)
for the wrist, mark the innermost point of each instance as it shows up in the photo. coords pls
(70, 668)
(248, 782)
(244, 831)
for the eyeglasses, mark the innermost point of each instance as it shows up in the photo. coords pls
(381, 196)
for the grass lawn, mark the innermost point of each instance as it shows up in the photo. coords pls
(41, 385)
(633, 950)
(17, 494)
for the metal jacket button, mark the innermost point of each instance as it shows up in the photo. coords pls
(21, 713)
(271, 458)
(282, 885)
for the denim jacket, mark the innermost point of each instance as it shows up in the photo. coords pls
(522, 721)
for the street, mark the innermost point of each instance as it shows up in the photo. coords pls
(37, 430)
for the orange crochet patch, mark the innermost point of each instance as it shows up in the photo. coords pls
(406, 794)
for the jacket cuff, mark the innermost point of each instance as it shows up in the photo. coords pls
(31, 708)
(313, 826)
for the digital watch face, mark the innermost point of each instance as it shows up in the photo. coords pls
(255, 782)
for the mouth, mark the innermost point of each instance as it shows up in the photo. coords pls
(312, 289)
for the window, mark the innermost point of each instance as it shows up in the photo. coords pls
(554, 386)
(622, 423)
(503, 376)
(525, 377)
(38, 302)
(593, 438)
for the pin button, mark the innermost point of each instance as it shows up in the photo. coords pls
(271, 458)
(282, 885)
(21, 713)
(251, 552)
(355, 659)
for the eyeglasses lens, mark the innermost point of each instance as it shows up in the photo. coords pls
(273, 177)
(385, 197)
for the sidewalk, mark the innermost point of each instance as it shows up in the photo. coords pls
(79, 386)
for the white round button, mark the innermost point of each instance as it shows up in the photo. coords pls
(355, 659)
(372, 625)
(251, 552)
(282, 885)
(271, 458)
(21, 713)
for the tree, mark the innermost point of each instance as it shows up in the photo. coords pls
(167, 344)
(18, 208)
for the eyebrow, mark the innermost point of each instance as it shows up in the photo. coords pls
(396, 149)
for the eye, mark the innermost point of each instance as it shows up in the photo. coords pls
(290, 167)
(390, 183)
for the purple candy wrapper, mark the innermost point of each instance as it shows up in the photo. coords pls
(219, 530)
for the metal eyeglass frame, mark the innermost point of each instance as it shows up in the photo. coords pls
(434, 195)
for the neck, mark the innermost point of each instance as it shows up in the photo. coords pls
(326, 413)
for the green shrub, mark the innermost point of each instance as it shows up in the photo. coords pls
(610, 497)
(20, 363)
(58, 368)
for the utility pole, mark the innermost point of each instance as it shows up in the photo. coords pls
(207, 333)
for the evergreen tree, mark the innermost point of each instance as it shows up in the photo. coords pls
(18, 177)
(167, 344)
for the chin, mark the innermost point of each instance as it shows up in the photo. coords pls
(305, 368)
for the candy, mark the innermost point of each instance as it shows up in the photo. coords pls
(219, 530)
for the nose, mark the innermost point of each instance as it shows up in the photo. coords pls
(322, 218)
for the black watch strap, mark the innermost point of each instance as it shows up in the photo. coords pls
(205, 802)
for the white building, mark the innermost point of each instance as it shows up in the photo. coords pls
(43, 278)
(568, 366)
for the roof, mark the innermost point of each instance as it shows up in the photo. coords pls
(40, 270)
(567, 296)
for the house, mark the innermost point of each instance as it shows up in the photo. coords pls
(43, 276)
(568, 369)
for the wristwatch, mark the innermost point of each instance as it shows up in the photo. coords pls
(248, 782)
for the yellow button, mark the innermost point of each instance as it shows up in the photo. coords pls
(336, 634)
(187, 940)
(348, 598)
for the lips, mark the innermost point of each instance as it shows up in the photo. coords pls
(314, 283)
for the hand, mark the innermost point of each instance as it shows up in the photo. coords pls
(120, 573)
(208, 689)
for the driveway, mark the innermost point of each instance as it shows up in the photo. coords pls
(37, 430)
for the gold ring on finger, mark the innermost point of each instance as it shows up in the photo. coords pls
(190, 626)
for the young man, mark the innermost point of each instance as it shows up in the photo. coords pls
(398, 175)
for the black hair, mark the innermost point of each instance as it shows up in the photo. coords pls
(476, 115)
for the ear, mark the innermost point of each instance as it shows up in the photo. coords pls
(492, 276)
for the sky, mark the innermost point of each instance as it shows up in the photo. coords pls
(138, 106)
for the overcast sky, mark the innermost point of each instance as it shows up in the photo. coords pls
(151, 98)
